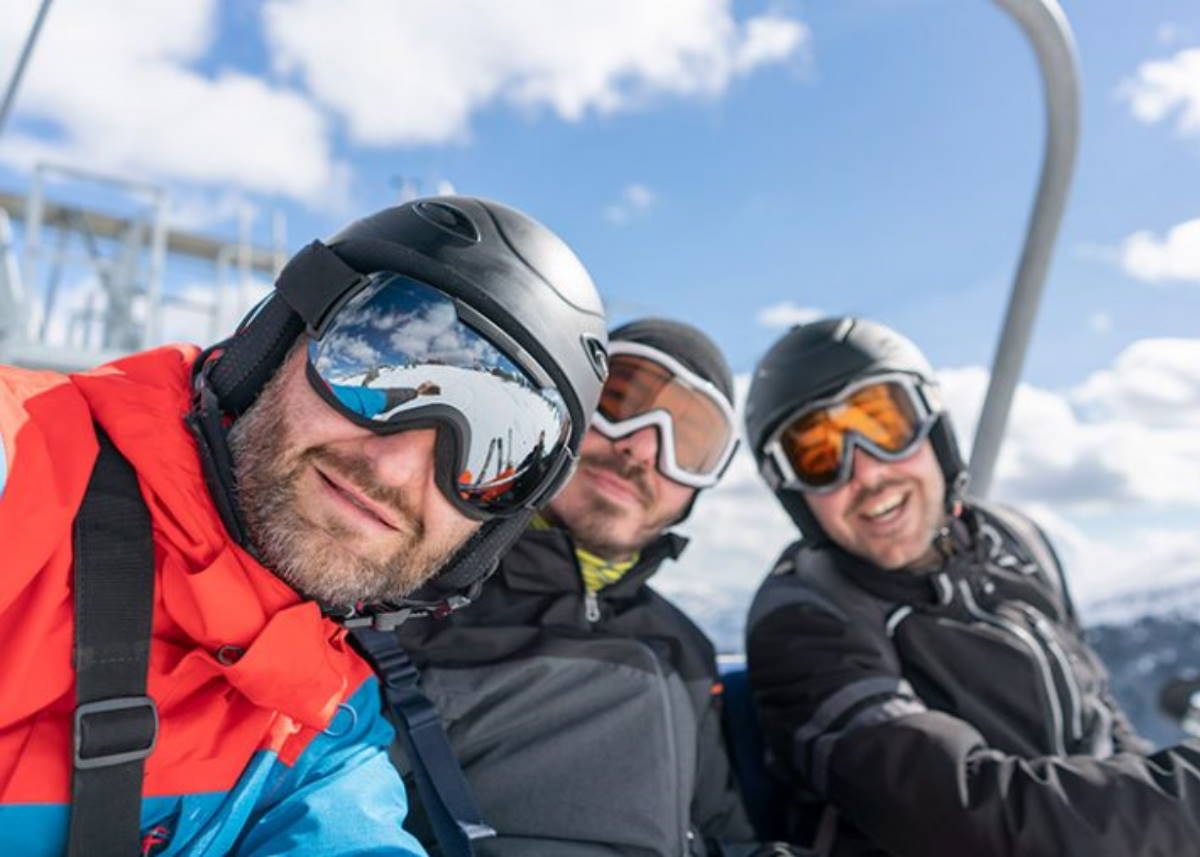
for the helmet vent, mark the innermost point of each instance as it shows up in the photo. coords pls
(448, 219)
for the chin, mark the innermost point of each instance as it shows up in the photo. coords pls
(893, 558)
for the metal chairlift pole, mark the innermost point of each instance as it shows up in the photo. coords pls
(1047, 28)
(10, 95)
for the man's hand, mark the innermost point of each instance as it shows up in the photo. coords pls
(428, 388)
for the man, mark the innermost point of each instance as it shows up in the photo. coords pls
(581, 704)
(916, 658)
(255, 728)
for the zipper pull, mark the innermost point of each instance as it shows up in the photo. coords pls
(591, 606)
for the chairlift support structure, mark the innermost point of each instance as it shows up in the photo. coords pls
(128, 312)
(1046, 26)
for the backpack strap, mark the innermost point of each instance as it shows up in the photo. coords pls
(116, 724)
(444, 791)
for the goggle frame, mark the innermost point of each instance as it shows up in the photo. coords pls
(923, 395)
(451, 424)
(662, 420)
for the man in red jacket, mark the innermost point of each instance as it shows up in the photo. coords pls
(274, 501)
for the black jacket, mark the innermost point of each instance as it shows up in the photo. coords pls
(586, 726)
(958, 713)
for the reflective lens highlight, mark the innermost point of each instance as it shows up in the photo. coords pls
(637, 385)
(397, 354)
(816, 441)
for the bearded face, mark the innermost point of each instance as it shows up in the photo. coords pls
(342, 514)
(617, 502)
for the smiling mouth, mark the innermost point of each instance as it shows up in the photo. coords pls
(886, 509)
(612, 484)
(352, 497)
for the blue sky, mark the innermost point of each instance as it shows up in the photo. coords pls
(708, 160)
(884, 166)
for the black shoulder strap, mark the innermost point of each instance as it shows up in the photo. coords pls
(116, 724)
(444, 790)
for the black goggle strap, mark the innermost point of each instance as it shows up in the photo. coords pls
(314, 283)
(310, 287)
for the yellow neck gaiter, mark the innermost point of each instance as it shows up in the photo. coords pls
(596, 571)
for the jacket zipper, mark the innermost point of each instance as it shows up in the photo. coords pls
(1039, 655)
(1050, 639)
(591, 606)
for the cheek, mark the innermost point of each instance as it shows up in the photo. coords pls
(309, 419)
(830, 508)
(594, 443)
(443, 522)
(672, 498)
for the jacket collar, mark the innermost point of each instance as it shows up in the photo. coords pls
(544, 561)
(959, 546)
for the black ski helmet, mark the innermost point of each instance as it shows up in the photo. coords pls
(515, 275)
(816, 360)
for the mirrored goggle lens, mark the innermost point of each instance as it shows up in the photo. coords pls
(815, 442)
(637, 385)
(397, 352)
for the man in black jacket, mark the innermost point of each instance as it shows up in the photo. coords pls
(916, 658)
(580, 702)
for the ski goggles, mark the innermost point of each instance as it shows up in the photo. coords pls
(886, 415)
(400, 354)
(695, 422)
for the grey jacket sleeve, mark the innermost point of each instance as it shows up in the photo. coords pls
(841, 722)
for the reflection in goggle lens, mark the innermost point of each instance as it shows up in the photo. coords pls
(397, 351)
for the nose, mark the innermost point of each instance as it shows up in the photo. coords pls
(867, 470)
(403, 460)
(641, 447)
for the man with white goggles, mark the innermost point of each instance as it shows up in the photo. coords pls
(886, 415)
(547, 648)
(400, 354)
(693, 418)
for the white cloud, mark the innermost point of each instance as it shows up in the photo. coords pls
(787, 314)
(417, 72)
(635, 199)
(1165, 87)
(116, 83)
(1153, 382)
(1083, 461)
(1092, 449)
(1120, 568)
(1176, 257)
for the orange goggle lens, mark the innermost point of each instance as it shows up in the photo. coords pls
(882, 414)
(637, 386)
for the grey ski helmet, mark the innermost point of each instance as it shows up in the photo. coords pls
(816, 360)
(515, 277)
